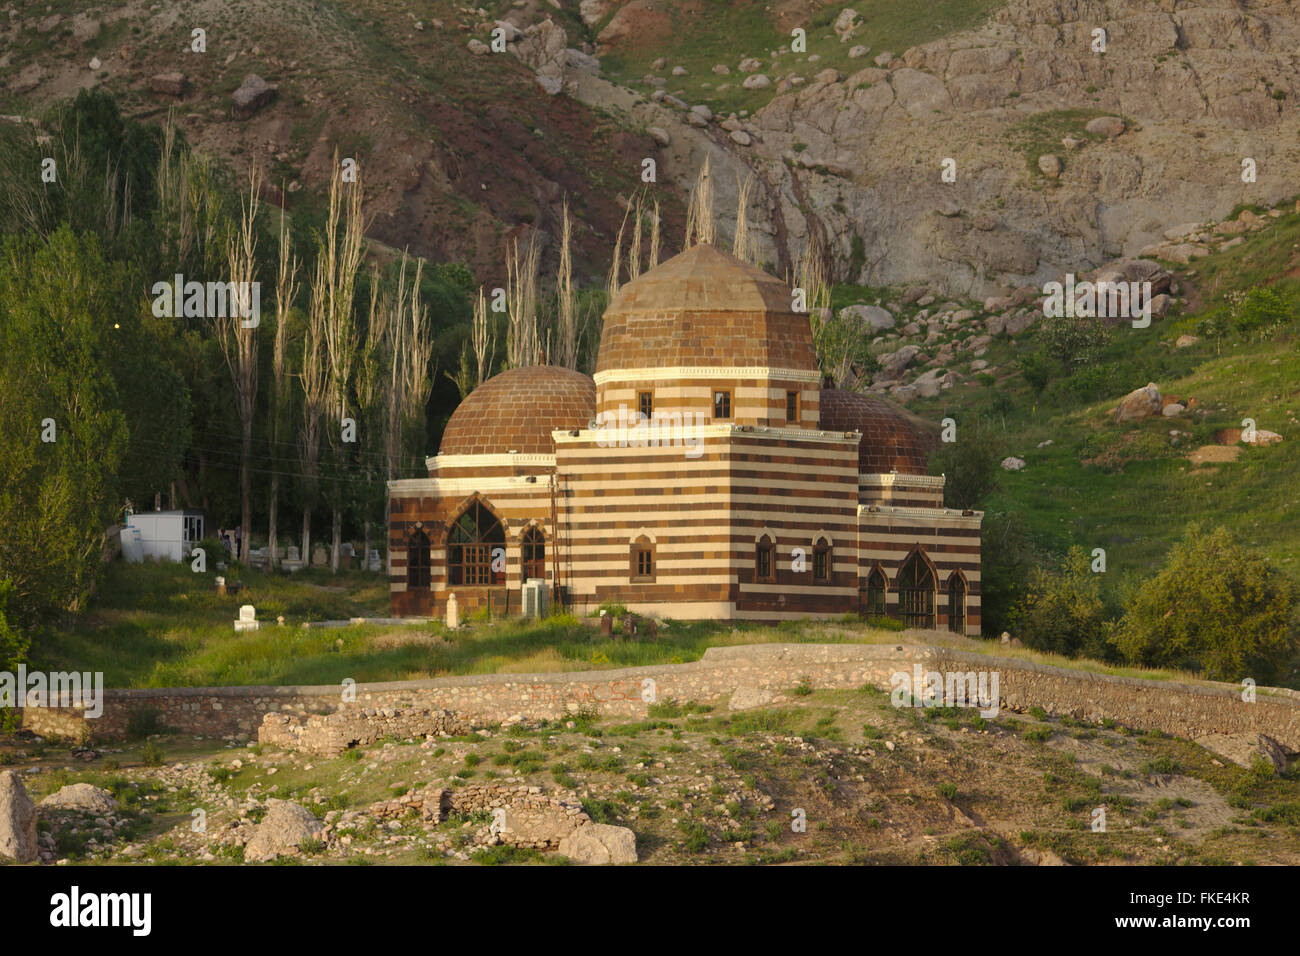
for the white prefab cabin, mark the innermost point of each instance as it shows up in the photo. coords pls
(161, 535)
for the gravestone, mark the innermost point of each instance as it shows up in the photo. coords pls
(247, 619)
(373, 562)
(319, 556)
(293, 554)
(453, 612)
(606, 624)
(221, 585)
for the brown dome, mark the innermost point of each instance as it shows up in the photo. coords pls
(891, 440)
(703, 309)
(517, 409)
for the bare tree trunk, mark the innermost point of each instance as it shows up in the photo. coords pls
(246, 491)
(271, 536)
(365, 547)
(338, 533)
(306, 537)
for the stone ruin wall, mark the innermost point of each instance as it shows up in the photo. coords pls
(1183, 710)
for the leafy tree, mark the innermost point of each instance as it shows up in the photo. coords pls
(970, 464)
(1006, 558)
(13, 645)
(1062, 610)
(56, 497)
(1216, 607)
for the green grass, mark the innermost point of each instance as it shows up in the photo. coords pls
(711, 33)
(1129, 488)
(165, 626)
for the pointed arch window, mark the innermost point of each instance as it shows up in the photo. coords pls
(822, 561)
(765, 559)
(418, 563)
(874, 603)
(476, 547)
(957, 603)
(916, 592)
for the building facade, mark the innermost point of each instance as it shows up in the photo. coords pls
(703, 471)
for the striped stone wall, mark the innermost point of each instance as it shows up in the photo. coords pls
(947, 540)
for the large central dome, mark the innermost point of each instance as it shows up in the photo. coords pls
(705, 309)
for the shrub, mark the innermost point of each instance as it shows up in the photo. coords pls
(1216, 607)
(1258, 309)
(970, 464)
(1074, 341)
(1062, 610)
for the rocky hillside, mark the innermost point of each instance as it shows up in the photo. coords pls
(1063, 157)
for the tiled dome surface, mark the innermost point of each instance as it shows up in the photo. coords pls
(517, 409)
(705, 308)
(889, 441)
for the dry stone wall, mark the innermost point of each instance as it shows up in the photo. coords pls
(328, 735)
(755, 671)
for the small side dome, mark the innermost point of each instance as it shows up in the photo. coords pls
(892, 440)
(517, 409)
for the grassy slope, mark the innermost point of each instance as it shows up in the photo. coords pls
(708, 32)
(1129, 489)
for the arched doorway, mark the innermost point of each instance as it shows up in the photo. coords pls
(533, 554)
(916, 592)
(957, 603)
(476, 547)
(872, 597)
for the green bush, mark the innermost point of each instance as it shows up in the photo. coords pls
(970, 464)
(1259, 309)
(1216, 607)
(1063, 611)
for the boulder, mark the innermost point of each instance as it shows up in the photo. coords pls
(1139, 404)
(1011, 463)
(543, 48)
(872, 318)
(844, 23)
(83, 797)
(169, 84)
(578, 60)
(659, 135)
(282, 832)
(1186, 341)
(757, 81)
(252, 95)
(892, 364)
(600, 843)
(747, 698)
(750, 65)
(17, 820)
(1049, 165)
(1244, 749)
(478, 47)
(1108, 126)
(741, 138)
(858, 52)
(1015, 324)
(1261, 436)
(1173, 410)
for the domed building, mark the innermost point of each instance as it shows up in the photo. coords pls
(702, 472)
